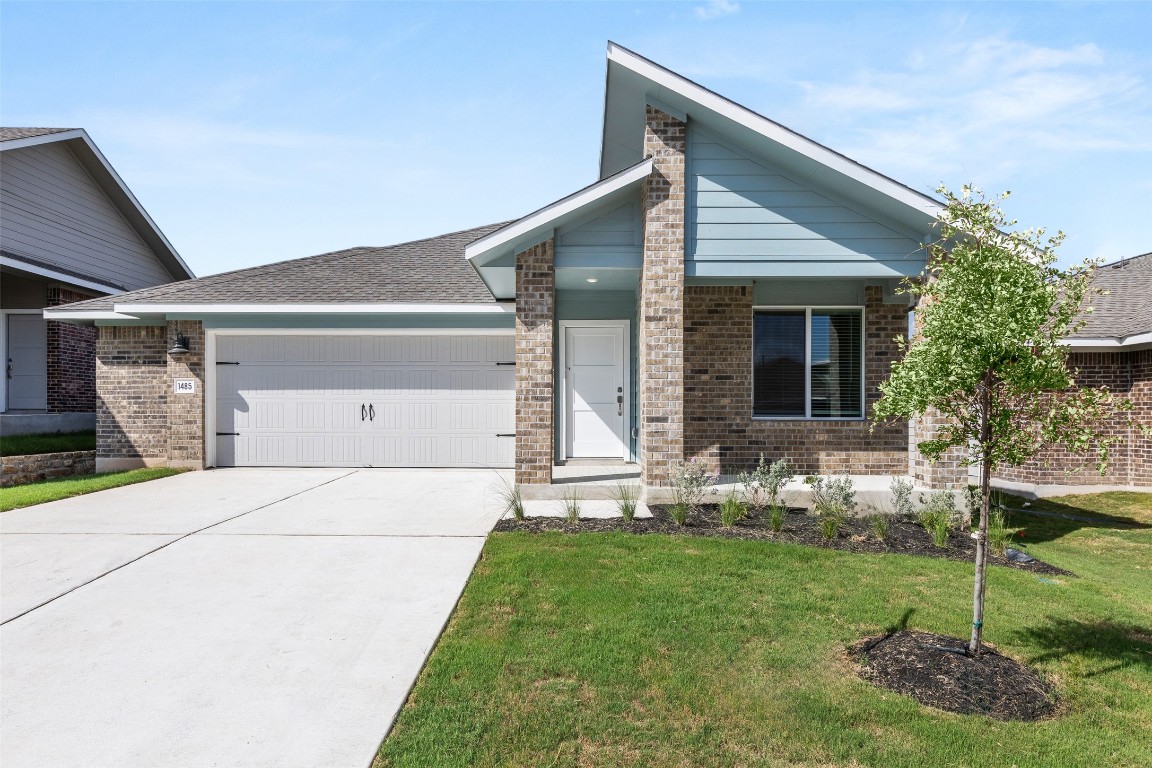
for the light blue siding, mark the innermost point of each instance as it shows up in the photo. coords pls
(608, 237)
(748, 217)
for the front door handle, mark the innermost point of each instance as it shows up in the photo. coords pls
(371, 412)
(619, 405)
(363, 412)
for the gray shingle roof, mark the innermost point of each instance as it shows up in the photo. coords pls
(11, 134)
(433, 270)
(1126, 308)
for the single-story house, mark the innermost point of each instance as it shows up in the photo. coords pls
(726, 288)
(70, 229)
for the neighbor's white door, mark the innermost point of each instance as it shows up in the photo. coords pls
(361, 400)
(594, 398)
(27, 363)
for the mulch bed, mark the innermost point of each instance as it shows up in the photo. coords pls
(904, 537)
(928, 668)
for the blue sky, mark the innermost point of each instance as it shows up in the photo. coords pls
(255, 132)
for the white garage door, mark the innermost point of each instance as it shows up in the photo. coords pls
(365, 401)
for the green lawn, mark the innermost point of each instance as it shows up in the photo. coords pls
(20, 445)
(620, 650)
(63, 487)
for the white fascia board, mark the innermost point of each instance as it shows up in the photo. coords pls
(1109, 343)
(317, 309)
(85, 314)
(80, 133)
(772, 130)
(550, 213)
(63, 277)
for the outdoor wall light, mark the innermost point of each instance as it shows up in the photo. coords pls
(179, 345)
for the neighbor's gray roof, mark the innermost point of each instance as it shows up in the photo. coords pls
(11, 134)
(422, 271)
(1126, 308)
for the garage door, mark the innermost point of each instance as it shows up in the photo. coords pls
(365, 401)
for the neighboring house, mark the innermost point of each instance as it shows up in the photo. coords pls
(69, 230)
(1112, 349)
(725, 289)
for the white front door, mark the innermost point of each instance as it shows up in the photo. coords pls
(595, 391)
(27, 363)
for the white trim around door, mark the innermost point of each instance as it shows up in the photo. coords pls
(565, 431)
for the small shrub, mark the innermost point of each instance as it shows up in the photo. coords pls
(776, 514)
(509, 494)
(833, 500)
(763, 485)
(938, 516)
(679, 512)
(571, 501)
(999, 537)
(880, 524)
(690, 481)
(625, 498)
(901, 488)
(732, 509)
(829, 525)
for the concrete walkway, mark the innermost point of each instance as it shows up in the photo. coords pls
(229, 618)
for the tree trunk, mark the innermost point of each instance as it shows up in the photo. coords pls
(974, 644)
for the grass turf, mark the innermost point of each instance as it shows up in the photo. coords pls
(22, 445)
(621, 650)
(64, 487)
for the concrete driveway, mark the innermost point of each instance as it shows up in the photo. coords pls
(235, 617)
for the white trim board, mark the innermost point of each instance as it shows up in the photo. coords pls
(63, 277)
(562, 389)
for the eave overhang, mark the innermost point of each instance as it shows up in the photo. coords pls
(492, 254)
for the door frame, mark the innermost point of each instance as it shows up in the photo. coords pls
(562, 380)
(4, 313)
(211, 335)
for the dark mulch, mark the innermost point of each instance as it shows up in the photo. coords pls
(928, 668)
(905, 537)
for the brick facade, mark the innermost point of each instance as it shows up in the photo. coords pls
(719, 428)
(1127, 375)
(71, 356)
(131, 396)
(661, 301)
(948, 471)
(535, 382)
(186, 410)
(139, 419)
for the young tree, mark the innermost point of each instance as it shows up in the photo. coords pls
(993, 309)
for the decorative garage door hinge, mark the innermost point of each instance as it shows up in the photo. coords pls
(505, 434)
(227, 434)
(220, 362)
(503, 363)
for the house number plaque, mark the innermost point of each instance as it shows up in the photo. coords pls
(184, 386)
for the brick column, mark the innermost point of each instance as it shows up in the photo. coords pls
(71, 354)
(661, 309)
(186, 410)
(535, 382)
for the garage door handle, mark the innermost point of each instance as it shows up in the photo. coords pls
(371, 412)
(363, 412)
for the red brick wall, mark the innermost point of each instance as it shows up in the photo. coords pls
(71, 354)
(535, 384)
(719, 428)
(132, 392)
(1128, 375)
(660, 331)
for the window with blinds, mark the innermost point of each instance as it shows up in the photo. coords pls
(808, 363)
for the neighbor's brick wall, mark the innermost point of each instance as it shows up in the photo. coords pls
(1127, 375)
(132, 392)
(535, 385)
(186, 411)
(661, 321)
(20, 470)
(71, 353)
(719, 428)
